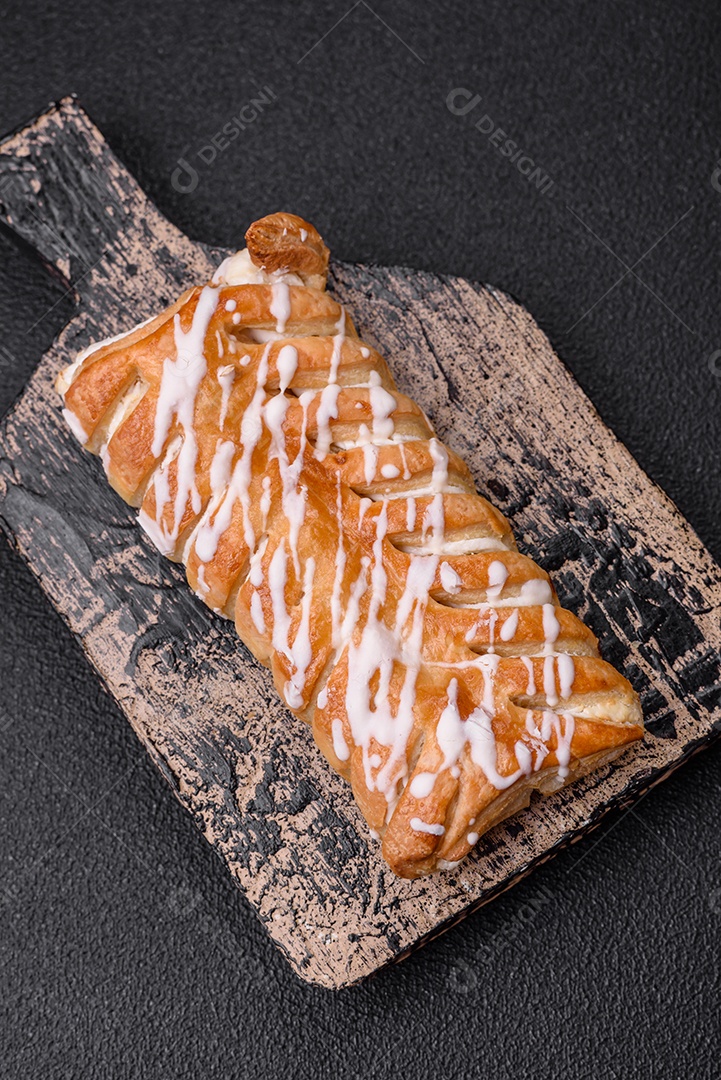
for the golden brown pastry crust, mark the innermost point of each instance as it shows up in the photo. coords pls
(268, 449)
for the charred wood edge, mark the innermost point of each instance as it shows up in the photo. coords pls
(71, 125)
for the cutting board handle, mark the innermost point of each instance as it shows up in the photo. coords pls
(66, 194)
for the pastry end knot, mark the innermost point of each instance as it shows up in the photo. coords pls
(284, 242)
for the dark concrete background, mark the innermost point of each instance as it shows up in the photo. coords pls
(124, 949)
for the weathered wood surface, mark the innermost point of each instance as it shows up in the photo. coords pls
(621, 555)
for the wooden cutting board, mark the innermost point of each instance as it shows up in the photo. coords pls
(621, 555)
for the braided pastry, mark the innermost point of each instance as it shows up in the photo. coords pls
(269, 451)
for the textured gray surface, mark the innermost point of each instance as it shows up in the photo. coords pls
(114, 966)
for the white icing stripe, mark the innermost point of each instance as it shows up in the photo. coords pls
(375, 656)
(382, 405)
(226, 378)
(179, 385)
(280, 305)
(422, 784)
(287, 365)
(423, 826)
(566, 674)
(549, 681)
(450, 580)
(551, 625)
(510, 626)
(551, 724)
(497, 577)
(390, 472)
(528, 663)
(238, 490)
(328, 404)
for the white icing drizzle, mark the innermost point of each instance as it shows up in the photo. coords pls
(256, 611)
(424, 827)
(492, 619)
(255, 577)
(180, 381)
(450, 580)
(370, 461)
(221, 466)
(340, 565)
(497, 577)
(528, 664)
(372, 659)
(422, 784)
(551, 625)
(549, 681)
(454, 734)
(382, 405)
(564, 735)
(327, 411)
(566, 674)
(251, 428)
(508, 630)
(265, 500)
(287, 364)
(534, 592)
(226, 378)
(328, 403)
(434, 522)
(280, 305)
